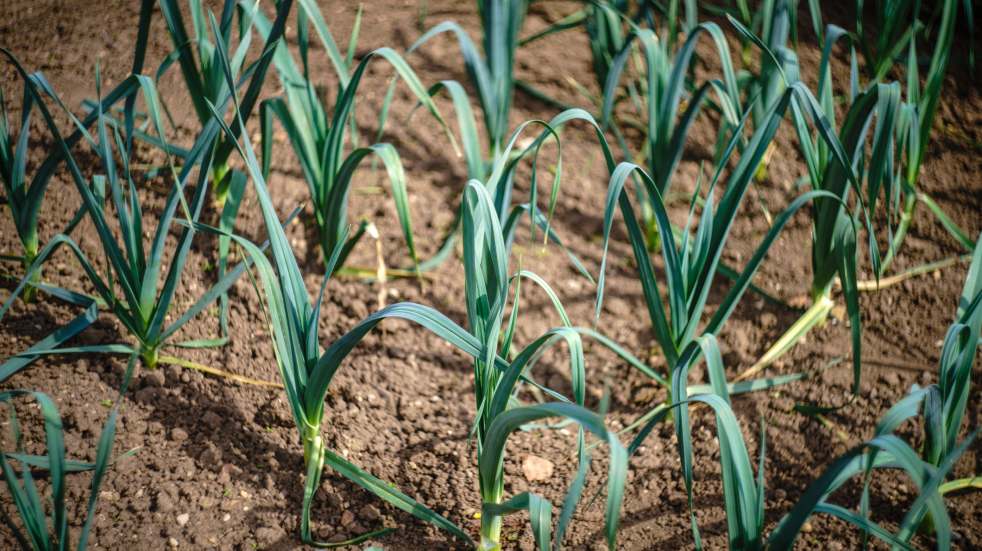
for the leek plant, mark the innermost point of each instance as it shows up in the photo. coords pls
(945, 402)
(23, 196)
(493, 77)
(944, 406)
(666, 78)
(307, 372)
(493, 74)
(44, 522)
(604, 22)
(879, 452)
(486, 289)
(744, 491)
(23, 200)
(833, 232)
(198, 60)
(775, 21)
(36, 514)
(138, 287)
(318, 134)
(205, 82)
(692, 262)
(611, 28)
(605, 29)
(914, 128)
(895, 23)
(318, 141)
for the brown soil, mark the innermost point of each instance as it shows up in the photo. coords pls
(227, 455)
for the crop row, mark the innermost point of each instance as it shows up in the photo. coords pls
(862, 150)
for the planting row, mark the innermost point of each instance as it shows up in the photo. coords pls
(862, 153)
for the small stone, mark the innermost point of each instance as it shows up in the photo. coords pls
(369, 513)
(347, 518)
(172, 542)
(227, 472)
(183, 518)
(768, 319)
(807, 527)
(173, 373)
(780, 494)
(178, 434)
(536, 468)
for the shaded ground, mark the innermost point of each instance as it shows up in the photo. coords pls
(227, 455)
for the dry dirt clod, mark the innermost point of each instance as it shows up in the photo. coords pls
(269, 534)
(536, 468)
(212, 420)
(153, 378)
(164, 503)
(182, 519)
(369, 513)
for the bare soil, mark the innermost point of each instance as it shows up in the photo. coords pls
(227, 455)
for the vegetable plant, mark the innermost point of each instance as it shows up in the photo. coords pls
(493, 75)
(307, 372)
(24, 205)
(744, 491)
(197, 57)
(666, 79)
(775, 21)
(666, 76)
(319, 133)
(604, 23)
(897, 24)
(22, 196)
(838, 175)
(294, 319)
(44, 522)
(945, 403)
(692, 261)
(138, 286)
(916, 119)
(486, 288)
